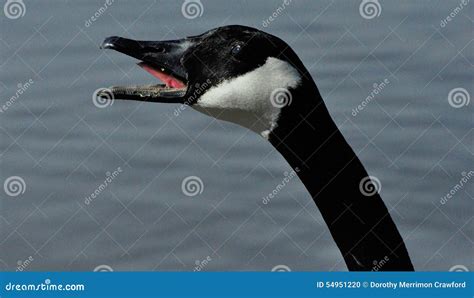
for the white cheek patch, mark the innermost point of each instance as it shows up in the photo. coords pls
(245, 100)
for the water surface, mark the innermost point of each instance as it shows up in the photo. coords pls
(63, 146)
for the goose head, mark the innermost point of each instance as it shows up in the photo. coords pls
(233, 73)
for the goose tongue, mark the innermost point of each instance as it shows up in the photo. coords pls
(169, 80)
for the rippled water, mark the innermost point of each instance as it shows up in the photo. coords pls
(63, 146)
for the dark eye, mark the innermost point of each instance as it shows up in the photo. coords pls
(236, 49)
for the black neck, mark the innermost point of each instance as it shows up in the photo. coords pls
(361, 225)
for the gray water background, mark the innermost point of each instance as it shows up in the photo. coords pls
(62, 145)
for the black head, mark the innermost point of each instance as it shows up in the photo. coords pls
(204, 60)
(234, 73)
(229, 52)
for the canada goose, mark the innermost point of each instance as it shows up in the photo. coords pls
(249, 77)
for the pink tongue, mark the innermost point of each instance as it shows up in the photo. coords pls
(165, 78)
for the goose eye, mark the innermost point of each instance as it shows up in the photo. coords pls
(236, 49)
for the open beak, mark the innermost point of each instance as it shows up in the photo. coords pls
(162, 59)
